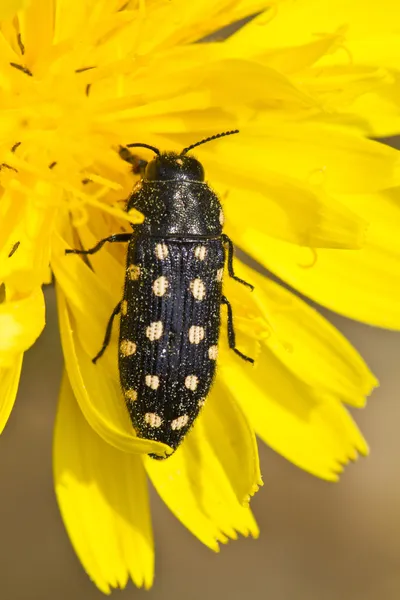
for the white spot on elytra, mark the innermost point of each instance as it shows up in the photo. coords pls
(213, 352)
(220, 274)
(160, 286)
(191, 382)
(161, 251)
(221, 217)
(152, 381)
(134, 272)
(180, 422)
(201, 402)
(154, 330)
(124, 307)
(152, 419)
(198, 289)
(200, 252)
(127, 348)
(196, 334)
(131, 395)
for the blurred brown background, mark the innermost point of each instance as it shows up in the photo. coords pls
(318, 540)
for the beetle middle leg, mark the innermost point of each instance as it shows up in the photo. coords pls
(231, 332)
(227, 240)
(107, 337)
(117, 237)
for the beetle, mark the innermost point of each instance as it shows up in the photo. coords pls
(170, 310)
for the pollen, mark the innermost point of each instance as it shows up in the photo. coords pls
(160, 286)
(198, 289)
(161, 251)
(152, 419)
(221, 217)
(180, 422)
(220, 274)
(154, 331)
(131, 395)
(213, 352)
(152, 381)
(196, 334)
(124, 307)
(200, 252)
(134, 272)
(127, 348)
(191, 382)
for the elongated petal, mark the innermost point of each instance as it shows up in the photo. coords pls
(98, 394)
(102, 495)
(21, 323)
(325, 156)
(348, 18)
(208, 481)
(299, 337)
(232, 442)
(9, 380)
(307, 426)
(368, 278)
(86, 300)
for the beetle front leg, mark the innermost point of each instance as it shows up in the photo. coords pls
(117, 237)
(227, 240)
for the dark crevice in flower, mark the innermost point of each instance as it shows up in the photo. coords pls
(22, 68)
(14, 249)
(123, 7)
(228, 30)
(6, 166)
(83, 69)
(20, 44)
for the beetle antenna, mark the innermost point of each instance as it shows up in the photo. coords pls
(156, 150)
(209, 139)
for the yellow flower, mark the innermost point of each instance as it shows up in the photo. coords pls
(304, 193)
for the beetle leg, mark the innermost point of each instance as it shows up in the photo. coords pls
(107, 337)
(117, 237)
(231, 332)
(227, 240)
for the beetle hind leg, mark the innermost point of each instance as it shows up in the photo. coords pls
(231, 332)
(107, 337)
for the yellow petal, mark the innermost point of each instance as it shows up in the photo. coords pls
(9, 8)
(380, 111)
(349, 18)
(21, 323)
(26, 233)
(99, 395)
(360, 284)
(306, 425)
(232, 442)
(102, 495)
(299, 337)
(9, 380)
(216, 464)
(322, 155)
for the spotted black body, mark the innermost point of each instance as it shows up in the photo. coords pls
(170, 311)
